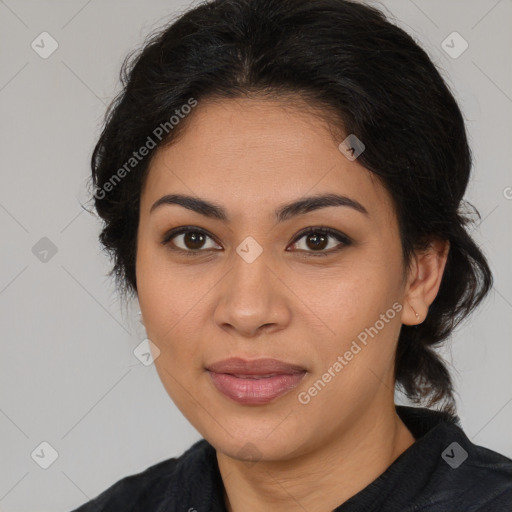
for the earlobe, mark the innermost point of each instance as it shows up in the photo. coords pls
(417, 314)
(426, 276)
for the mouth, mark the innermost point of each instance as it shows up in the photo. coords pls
(254, 382)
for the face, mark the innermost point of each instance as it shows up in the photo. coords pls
(318, 286)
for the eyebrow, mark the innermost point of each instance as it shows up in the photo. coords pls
(283, 213)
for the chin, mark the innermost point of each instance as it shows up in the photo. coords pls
(251, 439)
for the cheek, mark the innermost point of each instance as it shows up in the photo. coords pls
(173, 307)
(359, 309)
(168, 295)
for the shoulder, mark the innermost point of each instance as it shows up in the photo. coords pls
(488, 479)
(450, 471)
(145, 490)
(471, 478)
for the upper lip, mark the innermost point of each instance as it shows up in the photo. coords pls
(237, 365)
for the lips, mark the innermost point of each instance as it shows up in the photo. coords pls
(239, 366)
(254, 382)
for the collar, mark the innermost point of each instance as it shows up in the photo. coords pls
(412, 479)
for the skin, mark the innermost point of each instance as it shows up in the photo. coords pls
(251, 156)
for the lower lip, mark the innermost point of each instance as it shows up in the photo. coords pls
(255, 391)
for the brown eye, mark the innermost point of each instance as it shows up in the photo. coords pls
(193, 240)
(317, 241)
(322, 241)
(190, 240)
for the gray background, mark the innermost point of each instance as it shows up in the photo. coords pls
(68, 375)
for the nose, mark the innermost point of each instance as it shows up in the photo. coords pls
(252, 299)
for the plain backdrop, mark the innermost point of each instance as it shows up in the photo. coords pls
(68, 374)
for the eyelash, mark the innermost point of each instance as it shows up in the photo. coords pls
(344, 240)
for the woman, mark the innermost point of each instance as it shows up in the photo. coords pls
(281, 186)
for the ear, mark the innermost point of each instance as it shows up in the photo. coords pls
(424, 280)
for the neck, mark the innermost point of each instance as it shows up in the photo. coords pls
(321, 479)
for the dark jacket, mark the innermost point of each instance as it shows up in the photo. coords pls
(443, 471)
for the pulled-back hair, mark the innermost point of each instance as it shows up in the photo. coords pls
(367, 77)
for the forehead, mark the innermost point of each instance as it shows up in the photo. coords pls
(252, 152)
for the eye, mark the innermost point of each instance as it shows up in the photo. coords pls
(316, 241)
(320, 241)
(189, 240)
